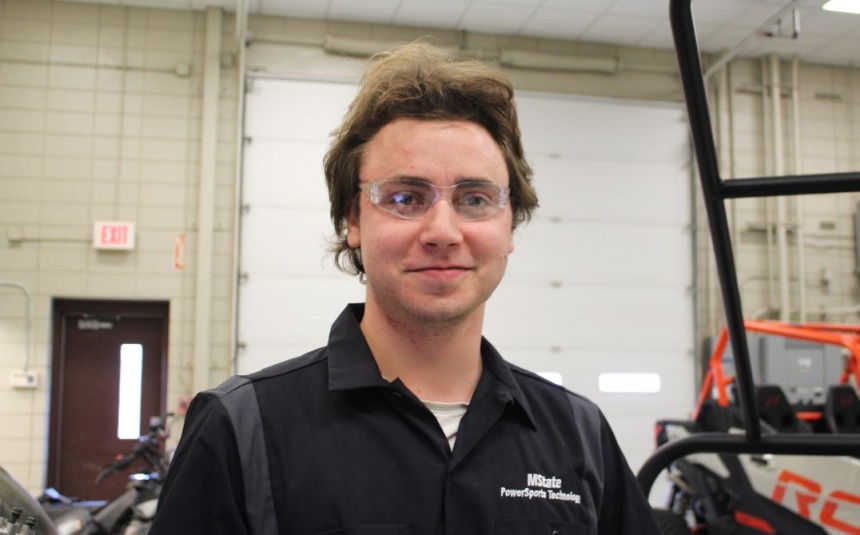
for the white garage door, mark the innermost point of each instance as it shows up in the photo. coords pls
(599, 281)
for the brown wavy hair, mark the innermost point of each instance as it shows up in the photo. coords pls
(422, 81)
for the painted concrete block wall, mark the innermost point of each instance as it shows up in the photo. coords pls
(829, 142)
(100, 110)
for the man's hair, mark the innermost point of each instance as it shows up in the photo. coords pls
(422, 81)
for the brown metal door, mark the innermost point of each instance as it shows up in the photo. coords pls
(88, 344)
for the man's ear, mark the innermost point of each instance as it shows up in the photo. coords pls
(353, 234)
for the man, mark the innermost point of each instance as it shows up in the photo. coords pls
(408, 421)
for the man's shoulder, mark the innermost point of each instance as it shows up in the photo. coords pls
(291, 366)
(285, 370)
(556, 398)
(531, 382)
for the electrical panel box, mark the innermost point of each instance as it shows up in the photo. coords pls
(24, 379)
(803, 369)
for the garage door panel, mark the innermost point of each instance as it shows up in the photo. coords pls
(587, 316)
(591, 189)
(284, 175)
(308, 110)
(602, 253)
(294, 307)
(609, 130)
(297, 248)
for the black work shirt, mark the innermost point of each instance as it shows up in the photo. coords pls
(322, 444)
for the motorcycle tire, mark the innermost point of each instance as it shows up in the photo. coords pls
(671, 523)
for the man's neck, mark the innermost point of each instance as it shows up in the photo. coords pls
(439, 363)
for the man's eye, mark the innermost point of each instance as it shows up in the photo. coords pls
(475, 196)
(475, 200)
(404, 198)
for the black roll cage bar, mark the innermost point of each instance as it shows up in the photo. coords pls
(715, 191)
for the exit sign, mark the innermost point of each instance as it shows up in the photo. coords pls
(115, 235)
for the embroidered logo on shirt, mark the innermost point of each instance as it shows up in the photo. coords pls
(541, 487)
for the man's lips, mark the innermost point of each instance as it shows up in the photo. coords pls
(438, 268)
(440, 271)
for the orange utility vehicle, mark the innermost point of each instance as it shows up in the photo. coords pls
(757, 493)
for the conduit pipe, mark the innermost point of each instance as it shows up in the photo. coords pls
(769, 230)
(799, 232)
(206, 199)
(729, 102)
(779, 170)
(28, 322)
(732, 203)
(241, 80)
(725, 111)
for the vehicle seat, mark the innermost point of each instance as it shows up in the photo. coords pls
(713, 417)
(842, 409)
(775, 410)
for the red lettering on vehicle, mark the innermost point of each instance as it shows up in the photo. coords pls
(804, 500)
(828, 512)
(807, 492)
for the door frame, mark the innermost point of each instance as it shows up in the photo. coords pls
(60, 308)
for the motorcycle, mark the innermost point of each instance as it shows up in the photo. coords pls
(131, 513)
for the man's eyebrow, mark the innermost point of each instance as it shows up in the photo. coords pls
(474, 180)
(408, 179)
(422, 181)
(412, 179)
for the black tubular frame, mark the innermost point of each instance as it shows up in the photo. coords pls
(715, 191)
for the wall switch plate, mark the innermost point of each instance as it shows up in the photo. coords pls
(24, 379)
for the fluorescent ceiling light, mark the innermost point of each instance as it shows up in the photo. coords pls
(629, 383)
(843, 6)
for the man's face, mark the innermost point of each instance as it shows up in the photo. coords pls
(438, 269)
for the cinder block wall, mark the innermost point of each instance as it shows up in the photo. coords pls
(100, 119)
(822, 269)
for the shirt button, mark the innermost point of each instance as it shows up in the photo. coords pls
(556, 532)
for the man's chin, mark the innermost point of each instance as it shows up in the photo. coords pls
(442, 314)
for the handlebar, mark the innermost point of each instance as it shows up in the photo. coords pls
(146, 448)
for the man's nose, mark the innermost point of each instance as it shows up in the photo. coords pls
(441, 224)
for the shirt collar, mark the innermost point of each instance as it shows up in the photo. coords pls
(352, 366)
(350, 363)
(507, 388)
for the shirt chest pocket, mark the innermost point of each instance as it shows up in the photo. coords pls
(541, 527)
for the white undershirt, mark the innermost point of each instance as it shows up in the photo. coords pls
(449, 416)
